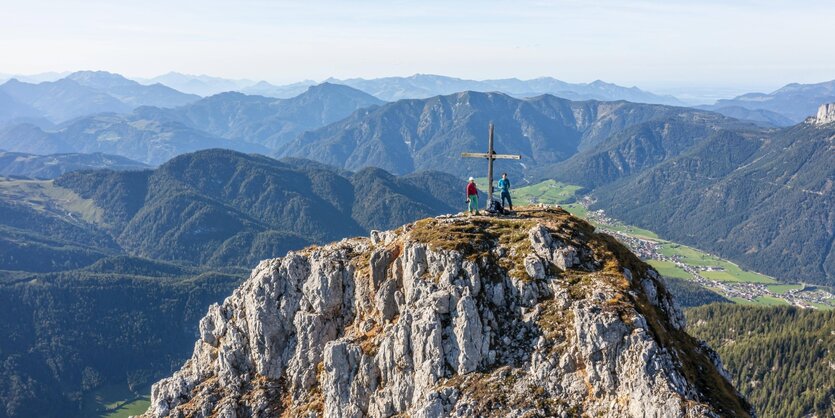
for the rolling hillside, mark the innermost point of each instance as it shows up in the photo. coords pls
(54, 165)
(106, 271)
(794, 102)
(153, 135)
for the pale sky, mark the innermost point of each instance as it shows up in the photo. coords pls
(656, 45)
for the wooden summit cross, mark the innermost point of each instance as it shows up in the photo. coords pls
(490, 155)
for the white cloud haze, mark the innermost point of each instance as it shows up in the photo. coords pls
(654, 44)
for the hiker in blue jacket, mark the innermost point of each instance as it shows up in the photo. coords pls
(504, 186)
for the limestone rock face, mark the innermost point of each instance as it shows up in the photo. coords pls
(826, 114)
(535, 315)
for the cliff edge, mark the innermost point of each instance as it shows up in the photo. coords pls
(826, 114)
(531, 315)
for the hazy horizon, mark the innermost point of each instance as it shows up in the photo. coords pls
(692, 94)
(667, 47)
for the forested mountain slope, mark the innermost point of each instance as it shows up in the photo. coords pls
(782, 359)
(764, 201)
(412, 135)
(267, 121)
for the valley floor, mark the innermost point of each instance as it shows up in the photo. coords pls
(679, 261)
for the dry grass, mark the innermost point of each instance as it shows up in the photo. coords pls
(497, 393)
(556, 324)
(368, 340)
(477, 236)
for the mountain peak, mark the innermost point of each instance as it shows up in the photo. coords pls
(13, 81)
(328, 90)
(100, 79)
(328, 85)
(453, 316)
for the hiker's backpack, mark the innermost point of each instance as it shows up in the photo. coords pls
(496, 207)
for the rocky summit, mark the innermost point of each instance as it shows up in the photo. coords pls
(522, 316)
(826, 114)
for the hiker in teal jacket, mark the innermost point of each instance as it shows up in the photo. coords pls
(504, 186)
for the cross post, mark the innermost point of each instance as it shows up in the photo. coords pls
(490, 155)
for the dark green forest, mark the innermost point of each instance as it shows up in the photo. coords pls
(782, 358)
(689, 294)
(74, 331)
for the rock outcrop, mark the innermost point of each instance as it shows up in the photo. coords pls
(534, 315)
(826, 114)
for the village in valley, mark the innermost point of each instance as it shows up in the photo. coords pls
(678, 261)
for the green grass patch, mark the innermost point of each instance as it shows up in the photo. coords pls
(550, 192)
(136, 407)
(669, 269)
(730, 273)
(733, 273)
(45, 196)
(742, 301)
(114, 401)
(760, 301)
(576, 209)
(770, 301)
(632, 230)
(688, 255)
(782, 289)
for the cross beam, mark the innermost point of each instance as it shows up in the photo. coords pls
(490, 155)
(495, 156)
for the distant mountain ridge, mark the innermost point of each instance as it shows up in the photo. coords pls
(591, 143)
(153, 135)
(148, 140)
(286, 91)
(422, 134)
(759, 116)
(11, 109)
(62, 100)
(202, 85)
(793, 101)
(130, 92)
(54, 165)
(420, 86)
(83, 93)
(271, 122)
